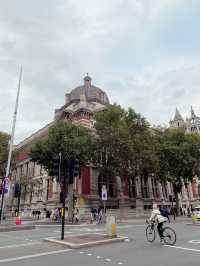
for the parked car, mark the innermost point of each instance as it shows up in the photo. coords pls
(196, 214)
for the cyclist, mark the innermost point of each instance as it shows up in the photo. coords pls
(159, 219)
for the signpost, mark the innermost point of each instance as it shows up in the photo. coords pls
(6, 185)
(104, 197)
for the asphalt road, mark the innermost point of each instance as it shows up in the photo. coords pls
(24, 248)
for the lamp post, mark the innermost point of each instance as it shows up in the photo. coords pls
(11, 147)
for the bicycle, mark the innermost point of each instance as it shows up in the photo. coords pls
(169, 235)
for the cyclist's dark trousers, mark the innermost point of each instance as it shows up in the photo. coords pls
(160, 229)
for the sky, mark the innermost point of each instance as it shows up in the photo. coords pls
(144, 53)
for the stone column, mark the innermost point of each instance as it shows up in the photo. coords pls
(139, 200)
(184, 192)
(160, 191)
(150, 188)
(94, 181)
(169, 191)
(190, 191)
(55, 191)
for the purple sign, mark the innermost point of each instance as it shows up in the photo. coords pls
(6, 185)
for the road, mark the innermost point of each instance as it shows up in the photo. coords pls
(24, 248)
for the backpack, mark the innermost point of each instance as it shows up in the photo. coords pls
(164, 212)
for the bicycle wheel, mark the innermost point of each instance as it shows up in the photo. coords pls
(169, 236)
(150, 233)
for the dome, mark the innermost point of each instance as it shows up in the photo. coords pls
(92, 93)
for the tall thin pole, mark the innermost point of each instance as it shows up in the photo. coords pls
(11, 142)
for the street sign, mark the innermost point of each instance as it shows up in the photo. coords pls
(6, 185)
(104, 194)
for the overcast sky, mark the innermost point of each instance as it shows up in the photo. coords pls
(143, 53)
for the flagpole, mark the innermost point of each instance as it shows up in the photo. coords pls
(11, 144)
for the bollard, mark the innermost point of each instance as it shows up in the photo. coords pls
(18, 220)
(111, 227)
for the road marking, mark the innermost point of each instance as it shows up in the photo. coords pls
(194, 241)
(177, 247)
(81, 252)
(89, 254)
(120, 263)
(130, 226)
(108, 259)
(67, 232)
(98, 257)
(21, 245)
(34, 255)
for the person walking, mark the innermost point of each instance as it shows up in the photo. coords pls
(76, 216)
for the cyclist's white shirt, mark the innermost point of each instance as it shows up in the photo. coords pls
(156, 216)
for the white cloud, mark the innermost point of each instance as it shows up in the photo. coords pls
(59, 41)
(156, 94)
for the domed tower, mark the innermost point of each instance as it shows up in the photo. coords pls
(82, 102)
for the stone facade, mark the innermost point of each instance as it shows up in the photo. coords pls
(190, 125)
(39, 191)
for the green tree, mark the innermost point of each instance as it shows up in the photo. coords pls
(4, 140)
(179, 156)
(70, 140)
(123, 143)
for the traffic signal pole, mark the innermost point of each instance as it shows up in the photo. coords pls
(63, 210)
(63, 203)
(18, 200)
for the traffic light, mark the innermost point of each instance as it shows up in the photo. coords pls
(76, 167)
(17, 190)
(73, 170)
(56, 166)
(61, 197)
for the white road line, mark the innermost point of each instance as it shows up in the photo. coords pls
(120, 263)
(67, 232)
(130, 226)
(98, 257)
(108, 259)
(89, 254)
(34, 255)
(194, 241)
(177, 247)
(21, 245)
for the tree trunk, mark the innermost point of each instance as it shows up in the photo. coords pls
(70, 202)
(177, 204)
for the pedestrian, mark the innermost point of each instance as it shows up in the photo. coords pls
(76, 216)
(173, 213)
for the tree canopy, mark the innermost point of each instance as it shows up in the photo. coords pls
(70, 140)
(4, 140)
(123, 143)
